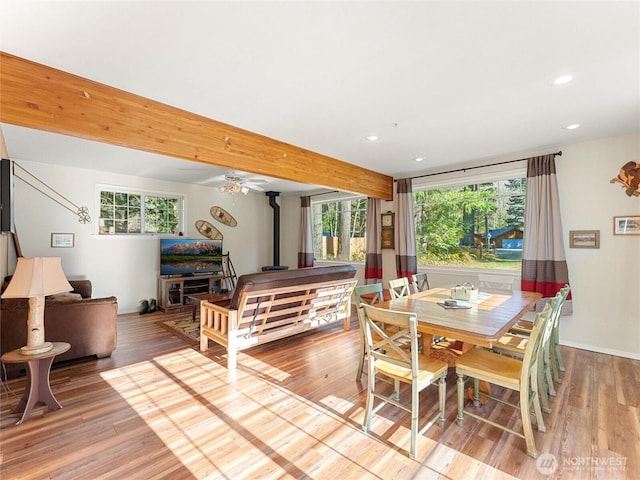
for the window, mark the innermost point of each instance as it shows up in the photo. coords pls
(128, 212)
(477, 225)
(339, 228)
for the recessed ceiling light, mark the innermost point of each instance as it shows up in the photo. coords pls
(418, 159)
(563, 79)
(573, 126)
(373, 138)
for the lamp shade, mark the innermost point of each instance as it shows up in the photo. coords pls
(37, 276)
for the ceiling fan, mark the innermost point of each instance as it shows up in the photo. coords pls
(234, 183)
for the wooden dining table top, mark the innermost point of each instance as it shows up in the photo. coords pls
(492, 314)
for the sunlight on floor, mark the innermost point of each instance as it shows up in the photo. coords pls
(187, 400)
(446, 459)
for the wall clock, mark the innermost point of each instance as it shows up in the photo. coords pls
(387, 237)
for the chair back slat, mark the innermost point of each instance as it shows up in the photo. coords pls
(420, 282)
(399, 287)
(369, 294)
(498, 282)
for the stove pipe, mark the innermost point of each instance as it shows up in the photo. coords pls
(276, 232)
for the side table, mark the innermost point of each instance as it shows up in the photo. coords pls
(38, 388)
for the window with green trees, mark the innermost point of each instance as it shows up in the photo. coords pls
(140, 213)
(475, 226)
(339, 228)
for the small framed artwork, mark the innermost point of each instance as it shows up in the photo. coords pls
(627, 225)
(62, 240)
(584, 239)
(387, 239)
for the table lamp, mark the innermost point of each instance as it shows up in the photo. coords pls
(34, 278)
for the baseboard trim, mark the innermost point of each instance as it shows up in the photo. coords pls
(606, 351)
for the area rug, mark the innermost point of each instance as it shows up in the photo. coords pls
(188, 330)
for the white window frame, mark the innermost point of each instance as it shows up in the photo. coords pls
(143, 193)
(454, 179)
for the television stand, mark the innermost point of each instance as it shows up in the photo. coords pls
(173, 292)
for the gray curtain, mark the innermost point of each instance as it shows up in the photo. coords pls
(305, 245)
(544, 265)
(373, 255)
(405, 232)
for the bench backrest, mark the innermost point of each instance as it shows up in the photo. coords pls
(286, 278)
(263, 311)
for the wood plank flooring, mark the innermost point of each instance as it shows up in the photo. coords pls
(159, 409)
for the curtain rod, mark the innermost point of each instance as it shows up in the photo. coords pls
(477, 166)
(323, 193)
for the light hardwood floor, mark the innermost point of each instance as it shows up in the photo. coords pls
(158, 409)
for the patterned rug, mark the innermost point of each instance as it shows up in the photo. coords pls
(188, 330)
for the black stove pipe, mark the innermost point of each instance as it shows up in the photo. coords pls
(276, 226)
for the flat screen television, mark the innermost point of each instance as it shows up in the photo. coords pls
(186, 256)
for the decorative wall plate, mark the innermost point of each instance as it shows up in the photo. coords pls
(208, 230)
(221, 215)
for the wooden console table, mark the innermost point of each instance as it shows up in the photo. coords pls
(173, 292)
(38, 388)
(217, 298)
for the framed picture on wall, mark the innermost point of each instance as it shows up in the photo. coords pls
(627, 225)
(387, 238)
(62, 240)
(584, 239)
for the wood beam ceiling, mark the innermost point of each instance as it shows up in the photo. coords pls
(44, 98)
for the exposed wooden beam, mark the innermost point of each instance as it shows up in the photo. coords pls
(44, 98)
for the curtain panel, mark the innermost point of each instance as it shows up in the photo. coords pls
(405, 233)
(544, 265)
(305, 244)
(373, 255)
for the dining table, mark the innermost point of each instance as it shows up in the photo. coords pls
(481, 321)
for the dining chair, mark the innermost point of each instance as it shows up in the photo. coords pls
(525, 326)
(510, 373)
(515, 345)
(388, 358)
(367, 294)
(497, 282)
(420, 282)
(370, 295)
(446, 349)
(399, 287)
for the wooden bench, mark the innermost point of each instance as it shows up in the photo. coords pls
(269, 306)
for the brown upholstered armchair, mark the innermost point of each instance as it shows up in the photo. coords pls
(88, 324)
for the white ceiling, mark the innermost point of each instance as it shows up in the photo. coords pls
(453, 82)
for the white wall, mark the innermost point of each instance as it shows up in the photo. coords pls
(127, 267)
(605, 282)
